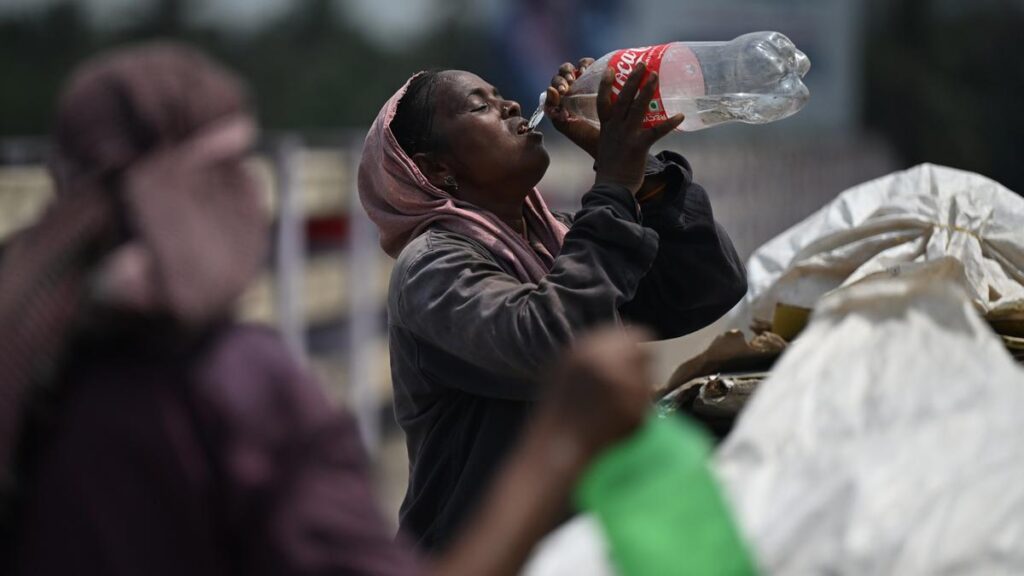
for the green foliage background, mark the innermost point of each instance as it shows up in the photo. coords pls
(942, 85)
(309, 69)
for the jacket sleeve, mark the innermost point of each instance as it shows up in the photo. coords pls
(697, 275)
(453, 295)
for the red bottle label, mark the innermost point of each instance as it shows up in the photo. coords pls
(622, 64)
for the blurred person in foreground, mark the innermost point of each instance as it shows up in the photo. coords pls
(142, 431)
(489, 285)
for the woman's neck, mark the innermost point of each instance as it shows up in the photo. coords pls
(514, 218)
(509, 211)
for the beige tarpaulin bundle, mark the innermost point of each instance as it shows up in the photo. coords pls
(887, 439)
(887, 227)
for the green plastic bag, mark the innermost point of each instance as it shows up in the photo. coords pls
(661, 509)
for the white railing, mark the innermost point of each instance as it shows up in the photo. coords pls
(329, 304)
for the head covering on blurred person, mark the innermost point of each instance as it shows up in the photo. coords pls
(155, 215)
(403, 204)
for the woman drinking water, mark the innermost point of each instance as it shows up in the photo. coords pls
(489, 285)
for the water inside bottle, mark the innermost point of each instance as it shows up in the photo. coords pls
(704, 112)
(749, 108)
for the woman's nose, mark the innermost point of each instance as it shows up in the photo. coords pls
(512, 108)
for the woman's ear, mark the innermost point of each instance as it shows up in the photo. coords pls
(436, 171)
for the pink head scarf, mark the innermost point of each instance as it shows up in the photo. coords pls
(404, 204)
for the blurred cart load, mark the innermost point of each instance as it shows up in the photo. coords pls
(869, 402)
(885, 228)
(886, 440)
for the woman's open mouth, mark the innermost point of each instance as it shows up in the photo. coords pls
(523, 129)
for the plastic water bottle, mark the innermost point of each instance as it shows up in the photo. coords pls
(755, 78)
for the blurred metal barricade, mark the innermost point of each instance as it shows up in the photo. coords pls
(325, 283)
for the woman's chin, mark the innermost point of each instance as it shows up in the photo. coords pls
(536, 144)
(539, 166)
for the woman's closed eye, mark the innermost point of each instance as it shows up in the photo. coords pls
(485, 105)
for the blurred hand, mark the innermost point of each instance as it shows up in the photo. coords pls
(602, 390)
(624, 144)
(576, 129)
(599, 394)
